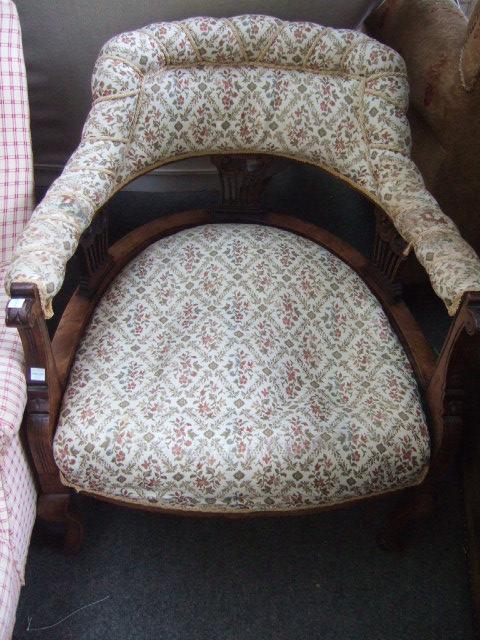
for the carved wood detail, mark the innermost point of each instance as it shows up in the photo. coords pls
(44, 391)
(95, 259)
(388, 251)
(243, 178)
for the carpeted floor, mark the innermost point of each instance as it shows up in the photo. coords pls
(176, 578)
(173, 578)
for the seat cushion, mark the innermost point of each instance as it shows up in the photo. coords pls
(237, 367)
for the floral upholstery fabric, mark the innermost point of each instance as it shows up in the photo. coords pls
(240, 367)
(333, 98)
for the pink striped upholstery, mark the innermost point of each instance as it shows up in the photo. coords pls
(17, 490)
(10, 587)
(16, 182)
(17, 514)
(13, 392)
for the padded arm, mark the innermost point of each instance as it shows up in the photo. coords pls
(333, 98)
(53, 233)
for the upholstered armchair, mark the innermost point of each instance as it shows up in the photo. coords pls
(237, 361)
(17, 489)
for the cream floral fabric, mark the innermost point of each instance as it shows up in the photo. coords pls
(240, 367)
(333, 98)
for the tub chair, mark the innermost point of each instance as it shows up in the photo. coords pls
(17, 488)
(237, 361)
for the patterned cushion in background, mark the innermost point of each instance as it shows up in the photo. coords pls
(240, 367)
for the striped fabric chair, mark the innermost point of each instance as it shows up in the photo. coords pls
(17, 489)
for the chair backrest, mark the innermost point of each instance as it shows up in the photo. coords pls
(16, 173)
(60, 52)
(334, 98)
(249, 84)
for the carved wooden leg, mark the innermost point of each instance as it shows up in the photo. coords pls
(415, 504)
(56, 508)
(44, 395)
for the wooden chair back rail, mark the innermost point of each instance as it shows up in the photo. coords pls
(76, 316)
(242, 180)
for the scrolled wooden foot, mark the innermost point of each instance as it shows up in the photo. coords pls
(414, 505)
(56, 508)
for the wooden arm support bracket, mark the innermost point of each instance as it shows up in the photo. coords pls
(44, 392)
(94, 256)
(388, 252)
(446, 392)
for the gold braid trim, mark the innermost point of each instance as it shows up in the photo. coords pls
(191, 38)
(277, 30)
(238, 38)
(114, 96)
(159, 43)
(128, 63)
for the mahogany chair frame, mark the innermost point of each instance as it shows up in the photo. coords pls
(442, 380)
